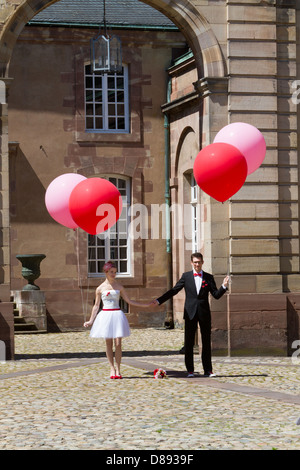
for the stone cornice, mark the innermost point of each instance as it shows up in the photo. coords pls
(177, 104)
(211, 85)
(204, 87)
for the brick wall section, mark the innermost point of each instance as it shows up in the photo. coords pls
(264, 214)
(7, 329)
(63, 147)
(246, 57)
(6, 307)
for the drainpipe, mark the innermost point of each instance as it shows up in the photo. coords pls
(169, 322)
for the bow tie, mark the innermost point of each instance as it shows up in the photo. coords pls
(197, 274)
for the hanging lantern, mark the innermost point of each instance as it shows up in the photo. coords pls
(106, 51)
(106, 54)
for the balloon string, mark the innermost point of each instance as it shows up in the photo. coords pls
(228, 269)
(83, 303)
(228, 264)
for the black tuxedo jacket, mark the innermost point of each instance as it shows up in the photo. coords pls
(195, 302)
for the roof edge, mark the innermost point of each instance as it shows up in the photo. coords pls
(108, 25)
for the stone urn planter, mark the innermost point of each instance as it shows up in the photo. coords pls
(31, 269)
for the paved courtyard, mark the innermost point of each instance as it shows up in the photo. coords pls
(57, 395)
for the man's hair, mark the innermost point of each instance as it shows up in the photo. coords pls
(196, 255)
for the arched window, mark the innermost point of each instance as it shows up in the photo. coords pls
(113, 244)
(106, 101)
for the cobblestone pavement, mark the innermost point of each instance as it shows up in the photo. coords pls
(57, 395)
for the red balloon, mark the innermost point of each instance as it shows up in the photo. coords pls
(220, 170)
(95, 205)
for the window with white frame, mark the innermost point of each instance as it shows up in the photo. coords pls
(106, 101)
(113, 244)
(194, 214)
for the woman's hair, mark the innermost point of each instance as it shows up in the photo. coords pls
(108, 265)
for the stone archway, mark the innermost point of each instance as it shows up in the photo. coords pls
(14, 16)
(183, 13)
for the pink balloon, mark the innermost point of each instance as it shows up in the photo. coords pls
(57, 198)
(248, 139)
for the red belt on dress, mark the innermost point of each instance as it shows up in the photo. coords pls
(110, 309)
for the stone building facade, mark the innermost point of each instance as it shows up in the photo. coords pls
(243, 66)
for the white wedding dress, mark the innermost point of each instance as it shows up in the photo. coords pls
(111, 321)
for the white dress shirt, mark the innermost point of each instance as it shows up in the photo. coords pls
(198, 281)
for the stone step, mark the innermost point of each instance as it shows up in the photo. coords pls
(30, 332)
(21, 327)
(19, 320)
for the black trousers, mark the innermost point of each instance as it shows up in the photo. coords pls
(189, 340)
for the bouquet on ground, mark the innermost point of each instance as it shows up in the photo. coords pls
(159, 374)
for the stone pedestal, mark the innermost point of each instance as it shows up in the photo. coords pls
(32, 307)
(7, 343)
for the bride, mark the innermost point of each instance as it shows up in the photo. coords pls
(111, 323)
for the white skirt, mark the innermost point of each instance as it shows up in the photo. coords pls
(110, 324)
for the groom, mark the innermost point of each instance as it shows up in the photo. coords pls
(197, 284)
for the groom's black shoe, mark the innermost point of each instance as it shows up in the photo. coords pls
(209, 374)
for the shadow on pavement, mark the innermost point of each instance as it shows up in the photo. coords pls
(89, 355)
(181, 374)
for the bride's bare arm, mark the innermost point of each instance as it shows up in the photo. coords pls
(95, 309)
